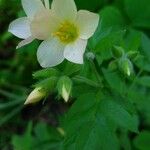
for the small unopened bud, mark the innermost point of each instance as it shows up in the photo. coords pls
(61, 131)
(126, 66)
(117, 51)
(64, 86)
(113, 65)
(35, 96)
(65, 93)
(132, 54)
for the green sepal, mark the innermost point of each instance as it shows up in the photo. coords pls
(117, 51)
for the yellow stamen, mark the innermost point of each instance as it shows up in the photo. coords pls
(67, 32)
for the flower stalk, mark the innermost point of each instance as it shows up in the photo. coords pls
(46, 3)
(95, 71)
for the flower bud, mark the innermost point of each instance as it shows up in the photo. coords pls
(36, 95)
(132, 54)
(64, 86)
(117, 51)
(113, 65)
(126, 66)
(61, 131)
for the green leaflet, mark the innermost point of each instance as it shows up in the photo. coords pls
(45, 73)
(109, 31)
(144, 80)
(141, 142)
(134, 9)
(44, 137)
(91, 123)
(96, 4)
(119, 115)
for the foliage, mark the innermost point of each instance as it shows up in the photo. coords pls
(109, 105)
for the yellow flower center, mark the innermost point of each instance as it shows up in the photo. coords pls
(67, 32)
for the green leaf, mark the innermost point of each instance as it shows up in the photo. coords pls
(132, 40)
(144, 80)
(142, 141)
(88, 5)
(134, 9)
(48, 84)
(10, 115)
(10, 104)
(125, 140)
(113, 79)
(87, 128)
(111, 17)
(24, 142)
(143, 63)
(71, 69)
(44, 137)
(105, 43)
(145, 44)
(48, 133)
(110, 30)
(119, 115)
(45, 73)
(95, 135)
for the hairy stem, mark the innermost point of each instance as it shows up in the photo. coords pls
(94, 69)
(46, 2)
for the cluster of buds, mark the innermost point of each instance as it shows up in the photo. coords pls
(123, 60)
(64, 88)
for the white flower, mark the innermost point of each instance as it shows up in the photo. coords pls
(21, 27)
(65, 30)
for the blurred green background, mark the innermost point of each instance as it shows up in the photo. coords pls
(36, 127)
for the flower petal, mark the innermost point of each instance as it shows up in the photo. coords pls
(87, 22)
(74, 52)
(64, 9)
(32, 6)
(43, 24)
(50, 53)
(25, 42)
(20, 28)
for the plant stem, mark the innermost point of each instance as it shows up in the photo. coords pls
(135, 79)
(85, 81)
(94, 69)
(46, 2)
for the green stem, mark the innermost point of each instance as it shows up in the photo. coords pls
(46, 2)
(134, 81)
(86, 81)
(94, 69)
(10, 115)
